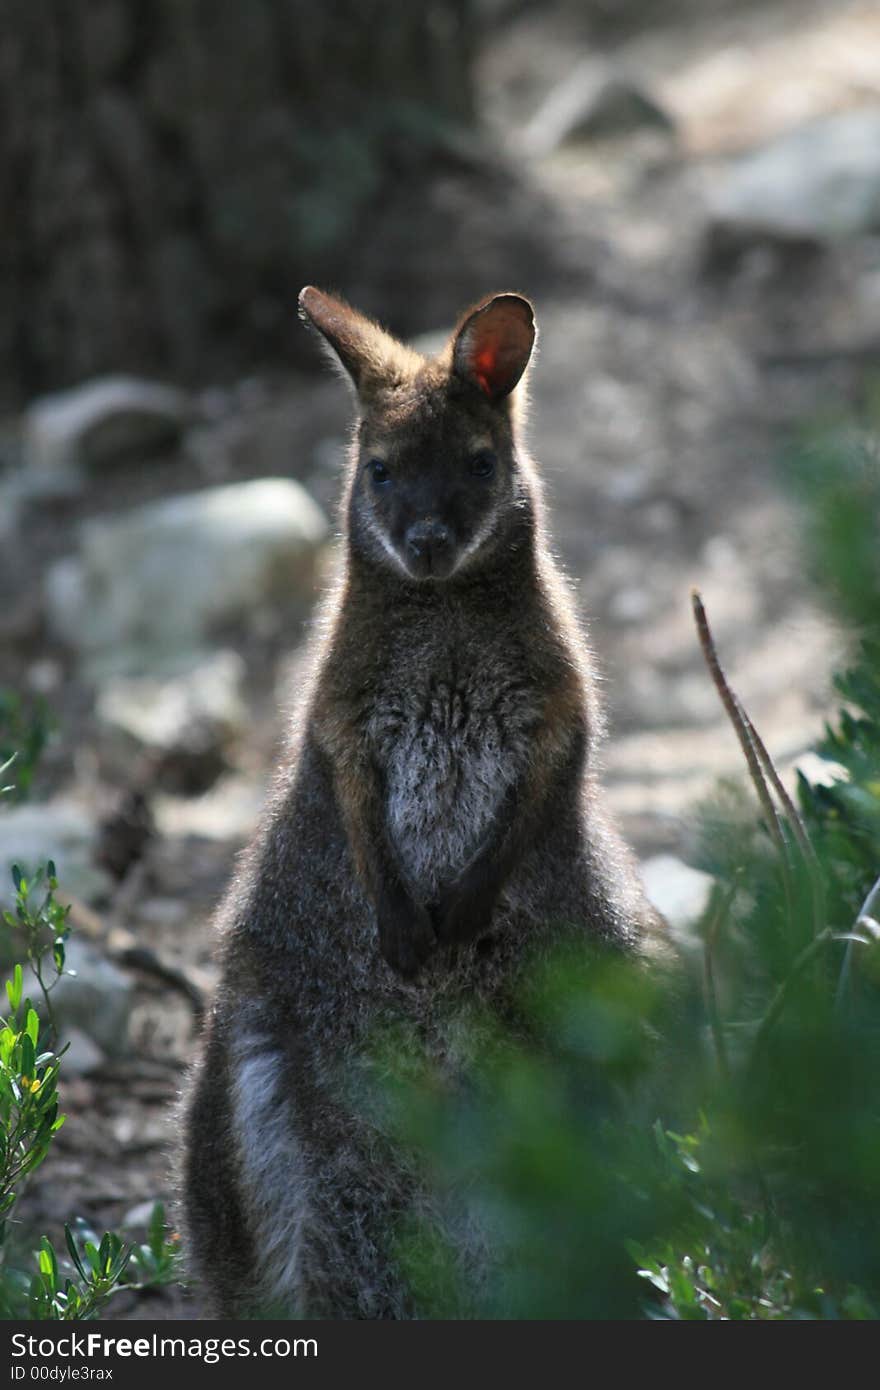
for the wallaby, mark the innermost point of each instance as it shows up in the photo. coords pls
(435, 822)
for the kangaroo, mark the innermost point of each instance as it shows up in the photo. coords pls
(435, 822)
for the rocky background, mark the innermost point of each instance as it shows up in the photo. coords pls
(691, 194)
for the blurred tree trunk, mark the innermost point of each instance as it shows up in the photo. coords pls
(171, 171)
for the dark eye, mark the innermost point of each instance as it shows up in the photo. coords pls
(482, 465)
(378, 472)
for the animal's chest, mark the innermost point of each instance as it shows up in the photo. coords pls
(450, 747)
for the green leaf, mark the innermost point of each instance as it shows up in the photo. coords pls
(14, 988)
(156, 1230)
(33, 1026)
(48, 1261)
(74, 1253)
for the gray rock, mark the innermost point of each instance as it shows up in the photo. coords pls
(819, 182)
(10, 509)
(148, 588)
(679, 892)
(161, 713)
(12, 491)
(594, 102)
(94, 425)
(59, 830)
(139, 1217)
(66, 596)
(187, 721)
(248, 434)
(432, 344)
(229, 811)
(96, 999)
(83, 1056)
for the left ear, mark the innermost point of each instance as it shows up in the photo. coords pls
(370, 356)
(493, 344)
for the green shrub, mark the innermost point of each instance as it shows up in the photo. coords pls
(684, 1148)
(705, 1145)
(79, 1283)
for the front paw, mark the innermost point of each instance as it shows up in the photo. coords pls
(406, 932)
(464, 911)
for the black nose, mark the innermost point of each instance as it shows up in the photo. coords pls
(428, 543)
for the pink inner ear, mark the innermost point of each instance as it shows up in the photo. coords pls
(493, 345)
(485, 368)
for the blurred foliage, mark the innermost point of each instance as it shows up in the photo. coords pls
(77, 1285)
(25, 728)
(39, 1284)
(701, 1143)
(835, 469)
(77, 1288)
(41, 929)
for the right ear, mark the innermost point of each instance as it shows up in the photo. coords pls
(370, 356)
(493, 344)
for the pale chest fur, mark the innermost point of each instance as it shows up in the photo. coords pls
(450, 746)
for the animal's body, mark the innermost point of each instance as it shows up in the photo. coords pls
(435, 822)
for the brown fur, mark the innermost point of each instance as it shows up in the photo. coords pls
(435, 823)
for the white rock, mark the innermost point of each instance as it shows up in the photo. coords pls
(822, 772)
(679, 892)
(93, 425)
(153, 585)
(159, 713)
(59, 830)
(822, 180)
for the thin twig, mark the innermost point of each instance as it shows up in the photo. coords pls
(739, 721)
(805, 845)
(870, 910)
(722, 904)
(868, 914)
(777, 1004)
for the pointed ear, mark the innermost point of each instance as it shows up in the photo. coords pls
(493, 344)
(371, 356)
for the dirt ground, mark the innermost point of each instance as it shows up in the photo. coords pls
(661, 401)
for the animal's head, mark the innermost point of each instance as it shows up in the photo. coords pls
(436, 487)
